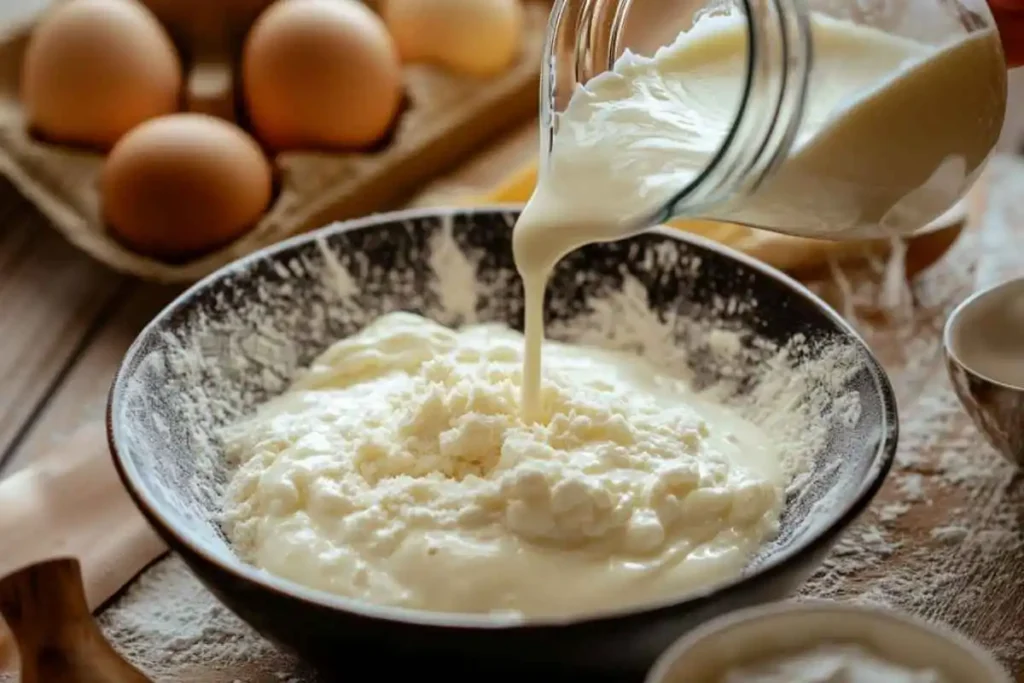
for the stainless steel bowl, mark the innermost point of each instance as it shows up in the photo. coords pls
(995, 406)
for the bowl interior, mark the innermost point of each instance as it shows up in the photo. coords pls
(733, 325)
(983, 334)
(787, 629)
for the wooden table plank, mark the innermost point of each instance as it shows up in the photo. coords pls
(82, 395)
(51, 297)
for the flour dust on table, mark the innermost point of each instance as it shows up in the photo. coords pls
(944, 532)
(175, 631)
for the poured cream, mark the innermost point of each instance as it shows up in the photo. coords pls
(883, 145)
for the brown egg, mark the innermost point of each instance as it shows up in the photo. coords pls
(184, 184)
(474, 37)
(93, 69)
(321, 74)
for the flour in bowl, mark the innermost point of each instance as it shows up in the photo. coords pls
(831, 663)
(398, 470)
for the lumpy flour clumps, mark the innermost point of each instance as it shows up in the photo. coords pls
(398, 470)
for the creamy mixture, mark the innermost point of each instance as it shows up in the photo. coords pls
(399, 470)
(831, 664)
(631, 138)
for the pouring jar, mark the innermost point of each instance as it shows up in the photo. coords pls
(884, 167)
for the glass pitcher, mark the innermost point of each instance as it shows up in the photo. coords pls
(832, 118)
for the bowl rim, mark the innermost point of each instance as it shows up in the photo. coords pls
(884, 617)
(180, 536)
(953, 321)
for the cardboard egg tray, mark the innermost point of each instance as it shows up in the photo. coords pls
(447, 117)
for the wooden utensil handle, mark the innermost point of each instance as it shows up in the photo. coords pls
(45, 608)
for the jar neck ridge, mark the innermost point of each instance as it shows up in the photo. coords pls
(586, 37)
(768, 118)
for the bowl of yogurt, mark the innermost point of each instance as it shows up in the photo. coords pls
(819, 642)
(379, 448)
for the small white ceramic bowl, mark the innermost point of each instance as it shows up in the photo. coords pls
(748, 636)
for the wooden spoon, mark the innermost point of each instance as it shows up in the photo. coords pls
(45, 608)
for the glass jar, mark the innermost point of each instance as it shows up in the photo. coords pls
(844, 118)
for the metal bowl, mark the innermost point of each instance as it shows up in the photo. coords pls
(235, 339)
(995, 405)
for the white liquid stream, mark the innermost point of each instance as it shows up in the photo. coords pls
(633, 137)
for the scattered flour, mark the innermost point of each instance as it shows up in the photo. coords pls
(939, 538)
(171, 625)
(950, 534)
(912, 488)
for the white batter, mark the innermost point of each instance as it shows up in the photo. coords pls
(837, 663)
(398, 470)
(890, 126)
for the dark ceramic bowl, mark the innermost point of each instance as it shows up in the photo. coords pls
(236, 338)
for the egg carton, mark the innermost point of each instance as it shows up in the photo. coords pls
(447, 117)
